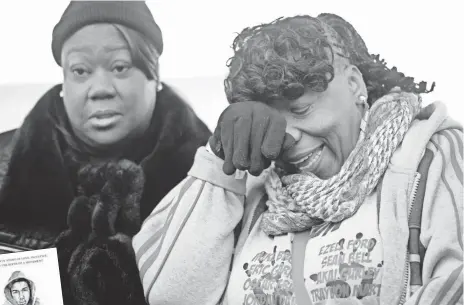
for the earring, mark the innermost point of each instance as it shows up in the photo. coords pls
(363, 125)
(159, 87)
(363, 99)
(61, 93)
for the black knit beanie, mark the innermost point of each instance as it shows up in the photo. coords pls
(133, 14)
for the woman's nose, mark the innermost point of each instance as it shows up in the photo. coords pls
(294, 132)
(101, 86)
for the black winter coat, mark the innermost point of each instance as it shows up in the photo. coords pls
(89, 212)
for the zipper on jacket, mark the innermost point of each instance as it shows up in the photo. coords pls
(253, 220)
(417, 177)
(256, 213)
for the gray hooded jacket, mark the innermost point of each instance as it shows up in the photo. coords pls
(18, 275)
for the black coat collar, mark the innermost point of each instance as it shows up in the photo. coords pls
(38, 187)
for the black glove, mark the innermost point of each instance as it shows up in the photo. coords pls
(118, 210)
(79, 215)
(104, 271)
(249, 136)
(101, 221)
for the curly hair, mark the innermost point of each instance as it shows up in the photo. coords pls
(283, 58)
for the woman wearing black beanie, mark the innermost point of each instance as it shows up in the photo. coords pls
(97, 153)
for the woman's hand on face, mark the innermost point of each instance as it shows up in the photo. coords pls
(250, 135)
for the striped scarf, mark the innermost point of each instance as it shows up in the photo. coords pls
(296, 202)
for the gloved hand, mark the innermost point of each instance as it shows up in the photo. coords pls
(113, 190)
(101, 221)
(104, 271)
(249, 136)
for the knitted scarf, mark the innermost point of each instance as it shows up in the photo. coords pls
(296, 202)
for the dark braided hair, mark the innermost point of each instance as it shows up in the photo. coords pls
(282, 58)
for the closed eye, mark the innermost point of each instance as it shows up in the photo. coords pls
(301, 110)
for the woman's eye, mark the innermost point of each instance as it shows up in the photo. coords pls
(121, 68)
(79, 71)
(301, 110)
